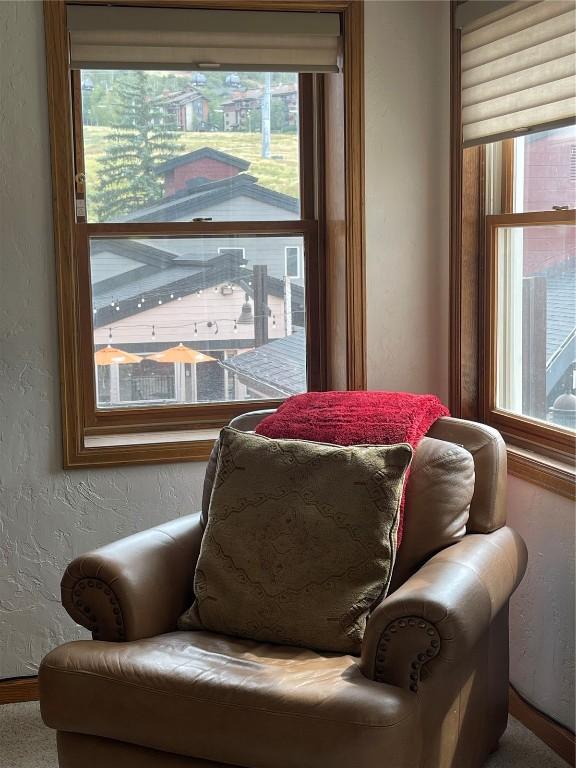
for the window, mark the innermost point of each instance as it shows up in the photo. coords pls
(531, 268)
(163, 328)
(167, 312)
(513, 313)
(186, 212)
(292, 257)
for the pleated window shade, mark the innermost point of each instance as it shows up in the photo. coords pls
(170, 38)
(519, 70)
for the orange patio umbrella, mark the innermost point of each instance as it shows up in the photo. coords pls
(110, 355)
(180, 354)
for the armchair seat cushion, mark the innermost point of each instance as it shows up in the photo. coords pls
(228, 700)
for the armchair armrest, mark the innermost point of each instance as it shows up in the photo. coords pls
(137, 586)
(442, 610)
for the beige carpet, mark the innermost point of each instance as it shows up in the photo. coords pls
(26, 743)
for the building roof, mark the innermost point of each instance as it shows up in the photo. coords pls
(135, 249)
(279, 365)
(202, 154)
(560, 308)
(185, 203)
(255, 94)
(179, 278)
(560, 324)
(181, 97)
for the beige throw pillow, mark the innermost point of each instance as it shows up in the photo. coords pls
(300, 540)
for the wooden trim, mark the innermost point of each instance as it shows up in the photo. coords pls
(467, 180)
(334, 233)
(192, 416)
(507, 177)
(532, 435)
(531, 219)
(553, 476)
(201, 228)
(146, 453)
(456, 393)
(18, 689)
(353, 31)
(308, 166)
(539, 437)
(558, 738)
(312, 6)
(60, 122)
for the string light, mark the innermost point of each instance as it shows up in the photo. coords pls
(211, 323)
(195, 330)
(112, 303)
(235, 327)
(179, 298)
(117, 307)
(171, 295)
(153, 332)
(139, 304)
(159, 301)
(109, 334)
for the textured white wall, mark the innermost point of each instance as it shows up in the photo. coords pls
(47, 516)
(407, 194)
(542, 610)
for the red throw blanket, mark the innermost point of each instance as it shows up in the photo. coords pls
(356, 418)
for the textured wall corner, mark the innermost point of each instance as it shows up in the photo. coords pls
(47, 516)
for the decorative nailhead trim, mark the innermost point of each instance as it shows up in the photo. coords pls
(112, 623)
(429, 649)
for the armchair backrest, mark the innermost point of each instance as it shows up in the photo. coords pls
(488, 506)
(457, 486)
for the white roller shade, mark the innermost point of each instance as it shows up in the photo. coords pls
(519, 70)
(170, 38)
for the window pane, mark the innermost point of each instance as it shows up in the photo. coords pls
(545, 170)
(536, 333)
(227, 300)
(175, 146)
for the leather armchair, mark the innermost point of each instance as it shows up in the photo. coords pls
(429, 690)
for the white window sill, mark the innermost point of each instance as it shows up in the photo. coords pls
(150, 438)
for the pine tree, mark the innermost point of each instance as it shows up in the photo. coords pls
(141, 138)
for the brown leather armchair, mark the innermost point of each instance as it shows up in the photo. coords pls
(429, 691)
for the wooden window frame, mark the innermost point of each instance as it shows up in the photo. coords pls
(335, 236)
(520, 430)
(538, 453)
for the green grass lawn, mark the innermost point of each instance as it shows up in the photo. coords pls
(280, 173)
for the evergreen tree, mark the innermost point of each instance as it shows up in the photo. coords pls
(141, 138)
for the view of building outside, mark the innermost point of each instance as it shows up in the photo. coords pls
(537, 285)
(194, 319)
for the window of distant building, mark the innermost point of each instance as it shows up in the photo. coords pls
(293, 266)
(195, 204)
